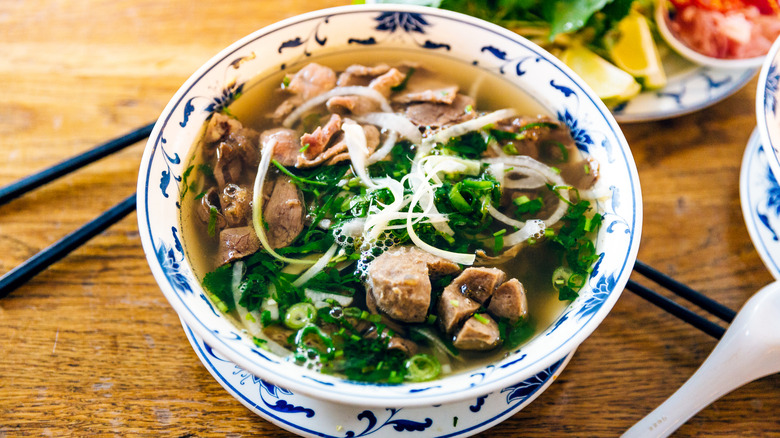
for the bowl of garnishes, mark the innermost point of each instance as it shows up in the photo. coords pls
(724, 34)
(387, 207)
(611, 45)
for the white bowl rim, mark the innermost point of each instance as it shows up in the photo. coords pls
(423, 400)
(692, 55)
(771, 148)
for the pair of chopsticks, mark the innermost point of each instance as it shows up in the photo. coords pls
(37, 263)
(713, 307)
(40, 261)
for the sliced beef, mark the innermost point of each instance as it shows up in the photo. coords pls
(454, 308)
(208, 202)
(478, 283)
(339, 151)
(312, 80)
(287, 148)
(228, 166)
(582, 174)
(445, 95)
(285, 108)
(385, 83)
(284, 213)
(409, 348)
(360, 74)
(478, 335)
(509, 301)
(351, 105)
(235, 243)
(400, 285)
(437, 115)
(316, 142)
(236, 205)
(219, 126)
(230, 147)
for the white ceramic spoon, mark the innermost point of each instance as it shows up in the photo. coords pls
(750, 349)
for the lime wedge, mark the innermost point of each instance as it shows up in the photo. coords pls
(634, 51)
(610, 83)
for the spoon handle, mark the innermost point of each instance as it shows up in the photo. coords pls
(748, 350)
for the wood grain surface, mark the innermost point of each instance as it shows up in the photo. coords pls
(90, 347)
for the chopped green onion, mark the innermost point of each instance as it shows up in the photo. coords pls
(458, 201)
(212, 226)
(422, 367)
(299, 315)
(303, 149)
(481, 318)
(478, 185)
(510, 149)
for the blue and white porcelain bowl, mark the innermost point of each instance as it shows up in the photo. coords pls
(768, 107)
(293, 42)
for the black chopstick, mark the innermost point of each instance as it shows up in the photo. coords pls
(680, 289)
(677, 310)
(26, 184)
(40, 261)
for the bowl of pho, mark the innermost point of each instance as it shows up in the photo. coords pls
(389, 206)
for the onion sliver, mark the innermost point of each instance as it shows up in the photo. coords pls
(257, 203)
(497, 215)
(387, 146)
(461, 258)
(320, 298)
(377, 222)
(317, 267)
(355, 137)
(394, 122)
(338, 91)
(532, 228)
(251, 320)
(524, 161)
(473, 125)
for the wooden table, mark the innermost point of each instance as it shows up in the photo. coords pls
(91, 346)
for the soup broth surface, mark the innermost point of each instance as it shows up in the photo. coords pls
(537, 265)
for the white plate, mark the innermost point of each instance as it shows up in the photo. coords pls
(690, 88)
(759, 195)
(310, 417)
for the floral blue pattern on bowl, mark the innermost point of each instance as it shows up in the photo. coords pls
(293, 42)
(311, 417)
(767, 109)
(760, 198)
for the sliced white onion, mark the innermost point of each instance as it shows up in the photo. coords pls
(432, 165)
(377, 222)
(532, 228)
(257, 202)
(530, 180)
(320, 298)
(272, 307)
(383, 151)
(394, 122)
(504, 218)
(355, 137)
(317, 267)
(497, 171)
(460, 129)
(461, 258)
(524, 161)
(338, 91)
